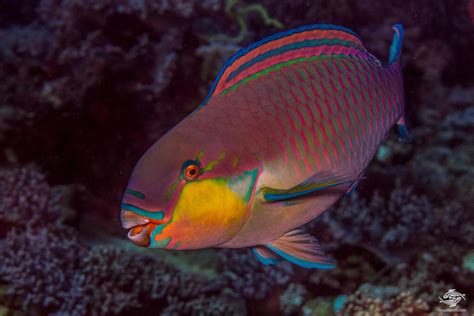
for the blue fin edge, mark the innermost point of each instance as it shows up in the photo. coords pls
(264, 260)
(396, 46)
(300, 262)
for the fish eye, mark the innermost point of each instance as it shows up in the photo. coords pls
(191, 172)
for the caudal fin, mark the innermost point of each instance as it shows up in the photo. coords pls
(394, 58)
(396, 47)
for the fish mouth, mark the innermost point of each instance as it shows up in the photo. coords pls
(140, 235)
(139, 227)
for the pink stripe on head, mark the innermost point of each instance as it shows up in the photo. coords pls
(294, 38)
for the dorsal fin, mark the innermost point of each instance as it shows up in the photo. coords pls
(286, 48)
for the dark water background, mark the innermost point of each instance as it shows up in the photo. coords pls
(87, 86)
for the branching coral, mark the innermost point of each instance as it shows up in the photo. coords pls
(240, 12)
(227, 303)
(39, 266)
(293, 298)
(388, 223)
(369, 300)
(49, 269)
(249, 277)
(26, 197)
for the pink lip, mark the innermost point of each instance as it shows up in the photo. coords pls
(140, 235)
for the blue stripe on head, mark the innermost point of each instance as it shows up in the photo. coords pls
(159, 243)
(300, 262)
(135, 209)
(270, 38)
(162, 243)
(135, 193)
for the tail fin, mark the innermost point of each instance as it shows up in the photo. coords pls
(403, 133)
(396, 47)
(394, 57)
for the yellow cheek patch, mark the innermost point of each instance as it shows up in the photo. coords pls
(208, 206)
(210, 212)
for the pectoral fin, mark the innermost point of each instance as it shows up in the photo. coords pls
(301, 249)
(313, 184)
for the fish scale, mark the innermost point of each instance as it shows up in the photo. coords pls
(290, 116)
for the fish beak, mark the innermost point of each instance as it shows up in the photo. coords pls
(130, 219)
(139, 228)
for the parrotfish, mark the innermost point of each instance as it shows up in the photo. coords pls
(288, 127)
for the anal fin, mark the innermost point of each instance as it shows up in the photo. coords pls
(301, 249)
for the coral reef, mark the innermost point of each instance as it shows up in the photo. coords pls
(49, 270)
(293, 298)
(389, 223)
(26, 197)
(249, 277)
(228, 303)
(369, 300)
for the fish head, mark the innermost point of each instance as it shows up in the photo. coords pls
(186, 193)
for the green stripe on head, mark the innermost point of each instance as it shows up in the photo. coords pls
(135, 193)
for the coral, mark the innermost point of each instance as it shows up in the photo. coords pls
(388, 223)
(292, 298)
(369, 300)
(26, 197)
(339, 303)
(39, 267)
(468, 262)
(74, 47)
(49, 269)
(247, 276)
(317, 307)
(90, 49)
(227, 303)
(240, 13)
(431, 272)
(351, 270)
(214, 55)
